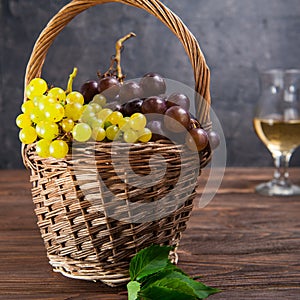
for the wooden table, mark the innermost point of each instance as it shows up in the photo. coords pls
(245, 244)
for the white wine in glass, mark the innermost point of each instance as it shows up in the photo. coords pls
(277, 124)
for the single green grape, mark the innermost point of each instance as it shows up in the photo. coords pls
(124, 123)
(100, 99)
(96, 107)
(36, 115)
(42, 148)
(36, 87)
(23, 120)
(47, 130)
(67, 125)
(104, 113)
(82, 132)
(130, 136)
(87, 115)
(58, 94)
(138, 121)
(98, 134)
(27, 135)
(112, 132)
(87, 108)
(97, 123)
(54, 112)
(58, 149)
(43, 102)
(75, 97)
(91, 121)
(73, 111)
(115, 117)
(27, 107)
(145, 135)
(37, 99)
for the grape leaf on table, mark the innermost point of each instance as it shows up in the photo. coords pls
(154, 277)
(199, 289)
(148, 261)
(168, 289)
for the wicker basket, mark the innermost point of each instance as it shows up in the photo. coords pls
(87, 236)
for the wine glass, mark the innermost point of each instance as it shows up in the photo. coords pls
(277, 124)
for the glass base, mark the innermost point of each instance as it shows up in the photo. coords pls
(273, 188)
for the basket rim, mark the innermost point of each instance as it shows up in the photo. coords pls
(30, 155)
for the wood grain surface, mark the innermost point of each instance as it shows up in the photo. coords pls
(245, 244)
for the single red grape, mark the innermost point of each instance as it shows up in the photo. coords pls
(179, 99)
(130, 90)
(109, 87)
(214, 139)
(196, 139)
(154, 105)
(131, 107)
(153, 84)
(157, 129)
(89, 89)
(177, 119)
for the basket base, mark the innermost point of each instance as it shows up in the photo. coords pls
(86, 271)
(112, 280)
(90, 273)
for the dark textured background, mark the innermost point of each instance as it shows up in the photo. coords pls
(238, 37)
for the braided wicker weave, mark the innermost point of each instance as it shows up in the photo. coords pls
(86, 236)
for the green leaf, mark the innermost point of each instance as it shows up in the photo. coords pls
(149, 261)
(154, 277)
(200, 289)
(163, 293)
(177, 286)
(169, 269)
(133, 287)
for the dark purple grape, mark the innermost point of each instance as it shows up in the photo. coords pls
(109, 87)
(89, 89)
(196, 139)
(131, 107)
(176, 119)
(130, 90)
(154, 105)
(153, 84)
(179, 99)
(214, 139)
(157, 129)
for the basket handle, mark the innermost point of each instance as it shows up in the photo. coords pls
(154, 7)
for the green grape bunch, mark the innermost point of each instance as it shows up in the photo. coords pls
(48, 116)
(53, 118)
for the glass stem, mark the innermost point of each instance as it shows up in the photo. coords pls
(281, 162)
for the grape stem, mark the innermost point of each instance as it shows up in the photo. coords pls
(115, 65)
(70, 81)
(119, 45)
(65, 137)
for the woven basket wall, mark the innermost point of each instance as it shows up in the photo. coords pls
(87, 234)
